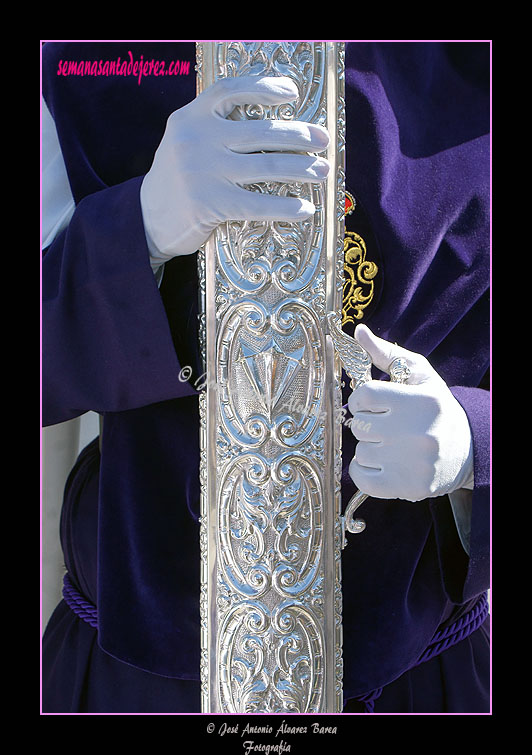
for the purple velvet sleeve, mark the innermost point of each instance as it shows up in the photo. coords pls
(107, 345)
(465, 576)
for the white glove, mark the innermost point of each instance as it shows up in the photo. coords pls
(414, 438)
(196, 179)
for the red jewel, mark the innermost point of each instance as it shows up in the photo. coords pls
(349, 203)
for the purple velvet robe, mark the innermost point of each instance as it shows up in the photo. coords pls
(418, 165)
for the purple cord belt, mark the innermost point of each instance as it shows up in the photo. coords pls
(80, 605)
(442, 640)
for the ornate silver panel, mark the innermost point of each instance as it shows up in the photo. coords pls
(271, 460)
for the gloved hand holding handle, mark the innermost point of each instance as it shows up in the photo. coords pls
(414, 438)
(204, 160)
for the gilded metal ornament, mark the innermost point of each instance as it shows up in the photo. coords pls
(359, 278)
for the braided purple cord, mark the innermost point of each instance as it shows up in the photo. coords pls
(441, 640)
(83, 608)
(457, 631)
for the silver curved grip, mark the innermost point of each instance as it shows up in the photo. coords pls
(357, 364)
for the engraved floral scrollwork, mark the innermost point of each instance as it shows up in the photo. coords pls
(268, 659)
(270, 524)
(254, 254)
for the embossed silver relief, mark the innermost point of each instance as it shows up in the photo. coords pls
(273, 356)
(270, 524)
(303, 62)
(271, 461)
(271, 661)
(253, 255)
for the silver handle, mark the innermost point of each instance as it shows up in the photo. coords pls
(357, 364)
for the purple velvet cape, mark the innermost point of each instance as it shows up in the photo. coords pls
(418, 164)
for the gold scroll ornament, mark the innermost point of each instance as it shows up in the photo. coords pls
(359, 272)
